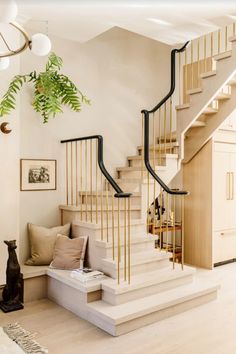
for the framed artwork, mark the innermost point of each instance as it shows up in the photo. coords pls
(38, 175)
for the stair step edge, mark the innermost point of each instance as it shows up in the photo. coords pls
(137, 308)
(147, 279)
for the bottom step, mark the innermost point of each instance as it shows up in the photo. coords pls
(120, 319)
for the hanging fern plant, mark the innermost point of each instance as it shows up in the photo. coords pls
(52, 90)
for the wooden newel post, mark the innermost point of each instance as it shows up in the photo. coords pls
(12, 295)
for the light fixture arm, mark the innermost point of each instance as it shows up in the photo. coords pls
(27, 42)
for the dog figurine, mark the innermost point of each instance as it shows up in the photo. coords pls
(12, 294)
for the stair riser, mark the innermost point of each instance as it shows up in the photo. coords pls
(130, 325)
(135, 247)
(111, 270)
(134, 201)
(139, 163)
(129, 187)
(132, 174)
(76, 215)
(114, 299)
(168, 150)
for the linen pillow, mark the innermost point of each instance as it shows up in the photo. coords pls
(69, 253)
(42, 242)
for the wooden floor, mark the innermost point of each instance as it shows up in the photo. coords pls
(208, 329)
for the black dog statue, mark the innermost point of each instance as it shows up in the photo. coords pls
(12, 294)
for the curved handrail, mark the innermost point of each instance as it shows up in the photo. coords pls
(119, 193)
(146, 125)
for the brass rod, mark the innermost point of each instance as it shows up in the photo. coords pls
(160, 141)
(125, 240)
(180, 80)
(171, 124)
(81, 180)
(165, 128)
(212, 44)
(167, 221)
(71, 174)
(154, 208)
(198, 63)
(205, 54)
(113, 229)
(234, 29)
(226, 38)
(154, 140)
(148, 201)
(67, 179)
(185, 77)
(91, 181)
(142, 151)
(161, 221)
(107, 211)
(118, 248)
(101, 211)
(219, 35)
(76, 173)
(191, 58)
(96, 181)
(86, 180)
(174, 231)
(129, 244)
(182, 232)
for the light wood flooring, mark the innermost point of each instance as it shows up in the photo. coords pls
(208, 329)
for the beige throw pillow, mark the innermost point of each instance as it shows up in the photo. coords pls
(42, 242)
(69, 253)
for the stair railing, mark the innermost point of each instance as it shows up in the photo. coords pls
(163, 212)
(96, 198)
(198, 59)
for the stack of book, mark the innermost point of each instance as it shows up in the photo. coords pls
(86, 274)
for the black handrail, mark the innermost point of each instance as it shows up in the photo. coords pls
(119, 193)
(146, 126)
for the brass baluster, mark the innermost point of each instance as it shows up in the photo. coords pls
(212, 44)
(191, 58)
(185, 76)
(167, 222)
(154, 140)
(118, 248)
(113, 229)
(234, 29)
(71, 174)
(67, 177)
(142, 150)
(76, 172)
(96, 181)
(101, 211)
(205, 54)
(160, 138)
(165, 128)
(171, 125)
(226, 38)
(198, 63)
(125, 240)
(219, 41)
(161, 221)
(107, 210)
(174, 235)
(81, 180)
(129, 244)
(182, 232)
(180, 80)
(86, 180)
(91, 181)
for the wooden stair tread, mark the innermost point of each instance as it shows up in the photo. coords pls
(222, 56)
(232, 38)
(208, 74)
(157, 156)
(182, 106)
(210, 110)
(198, 124)
(138, 169)
(194, 91)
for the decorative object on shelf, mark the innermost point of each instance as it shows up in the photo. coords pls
(4, 129)
(39, 43)
(12, 295)
(37, 175)
(52, 90)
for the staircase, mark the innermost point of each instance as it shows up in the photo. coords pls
(142, 285)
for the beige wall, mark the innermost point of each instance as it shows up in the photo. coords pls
(121, 73)
(9, 176)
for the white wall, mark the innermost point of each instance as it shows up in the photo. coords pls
(9, 162)
(121, 73)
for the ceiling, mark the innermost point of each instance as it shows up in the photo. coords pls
(170, 22)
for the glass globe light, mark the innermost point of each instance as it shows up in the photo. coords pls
(40, 44)
(4, 63)
(8, 11)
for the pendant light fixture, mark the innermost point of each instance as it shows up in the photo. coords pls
(39, 43)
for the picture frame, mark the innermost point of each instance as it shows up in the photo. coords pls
(38, 175)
